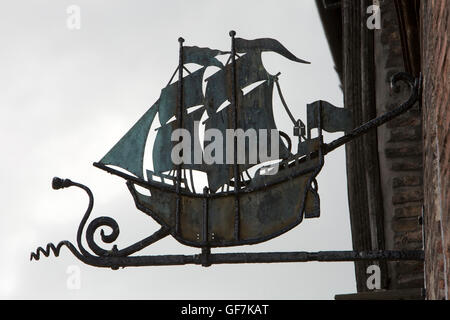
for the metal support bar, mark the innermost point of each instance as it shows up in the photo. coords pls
(416, 88)
(207, 259)
(324, 256)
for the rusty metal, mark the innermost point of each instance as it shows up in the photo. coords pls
(116, 258)
(333, 119)
(415, 86)
(257, 209)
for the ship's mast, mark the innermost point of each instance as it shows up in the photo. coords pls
(235, 125)
(180, 125)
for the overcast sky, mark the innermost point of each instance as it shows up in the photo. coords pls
(66, 97)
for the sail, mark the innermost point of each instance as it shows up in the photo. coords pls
(254, 112)
(249, 69)
(192, 96)
(128, 153)
(163, 146)
(333, 119)
(265, 44)
(202, 56)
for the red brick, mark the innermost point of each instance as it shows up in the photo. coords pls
(408, 165)
(405, 225)
(401, 152)
(435, 26)
(408, 211)
(407, 181)
(409, 195)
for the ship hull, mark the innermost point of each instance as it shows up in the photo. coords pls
(212, 221)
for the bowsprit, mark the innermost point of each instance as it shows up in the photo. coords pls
(242, 202)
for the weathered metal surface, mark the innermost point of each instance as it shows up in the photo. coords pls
(265, 44)
(266, 212)
(202, 56)
(255, 210)
(128, 153)
(308, 146)
(250, 69)
(118, 258)
(255, 113)
(415, 86)
(334, 119)
(162, 160)
(192, 95)
(116, 262)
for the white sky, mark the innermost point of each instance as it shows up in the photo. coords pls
(66, 96)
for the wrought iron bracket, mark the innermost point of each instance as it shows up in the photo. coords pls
(116, 258)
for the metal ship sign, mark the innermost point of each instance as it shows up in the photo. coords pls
(257, 187)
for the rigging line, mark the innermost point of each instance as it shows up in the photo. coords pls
(192, 180)
(248, 175)
(229, 58)
(173, 75)
(228, 61)
(187, 70)
(283, 101)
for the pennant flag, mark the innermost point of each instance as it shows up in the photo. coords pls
(265, 44)
(333, 119)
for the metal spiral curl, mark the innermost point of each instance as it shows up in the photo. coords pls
(415, 87)
(103, 258)
(107, 238)
(51, 248)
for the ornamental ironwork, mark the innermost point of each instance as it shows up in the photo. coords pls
(250, 197)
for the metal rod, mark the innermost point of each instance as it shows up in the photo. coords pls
(158, 235)
(171, 189)
(173, 75)
(260, 257)
(205, 230)
(415, 86)
(234, 102)
(191, 177)
(180, 125)
(186, 70)
(283, 102)
(324, 256)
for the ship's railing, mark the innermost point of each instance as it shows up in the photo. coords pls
(167, 179)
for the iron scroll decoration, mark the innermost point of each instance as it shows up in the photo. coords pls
(198, 219)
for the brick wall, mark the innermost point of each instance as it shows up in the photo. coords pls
(436, 122)
(400, 154)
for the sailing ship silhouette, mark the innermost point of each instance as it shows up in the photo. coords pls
(244, 202)
(241, 208)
